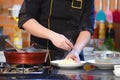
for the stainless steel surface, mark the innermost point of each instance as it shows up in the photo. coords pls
(72, 74)
(108, 57)
(81, 74)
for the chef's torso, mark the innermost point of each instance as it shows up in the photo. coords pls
(62, 16)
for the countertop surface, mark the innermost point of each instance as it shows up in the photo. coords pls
(55, 73)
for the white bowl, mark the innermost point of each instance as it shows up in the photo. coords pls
(116, 72)
(117, 67)
(101, 65)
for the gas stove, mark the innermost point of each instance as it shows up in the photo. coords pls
(34, 72)
(23, 69)
(27, 72)
(6, 68)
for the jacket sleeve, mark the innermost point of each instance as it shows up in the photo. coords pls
(87, 21)
(29, 9)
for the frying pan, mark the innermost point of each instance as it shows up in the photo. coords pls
(31, 56)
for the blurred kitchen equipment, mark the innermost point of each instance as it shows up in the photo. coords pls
(116, 13)
(109, 41)
(15, 10)
(18, 50)
(107, 57)
(88, 50)
(116, 19)
(2, 59)
(101, 35)
(35, 56)
(100, 16)
(1, 30)
(2, 41)
(109, 16)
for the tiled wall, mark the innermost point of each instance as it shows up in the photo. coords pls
(7, 21)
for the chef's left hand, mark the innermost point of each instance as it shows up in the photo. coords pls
(74, 55)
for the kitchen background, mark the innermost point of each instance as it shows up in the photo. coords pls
(8, 20)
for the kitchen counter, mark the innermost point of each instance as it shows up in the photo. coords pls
(63, 74)
(55, 73)
(81, 74)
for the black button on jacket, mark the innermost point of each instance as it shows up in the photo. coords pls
(67, 17)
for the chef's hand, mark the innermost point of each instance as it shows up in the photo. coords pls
(61, 41)
(74, 55)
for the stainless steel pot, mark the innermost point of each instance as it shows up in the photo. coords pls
(107, 57)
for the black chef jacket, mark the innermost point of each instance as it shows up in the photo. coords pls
(67, 17)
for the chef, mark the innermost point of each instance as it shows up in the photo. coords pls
(62, 26)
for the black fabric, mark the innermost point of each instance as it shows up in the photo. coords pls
(63, 17)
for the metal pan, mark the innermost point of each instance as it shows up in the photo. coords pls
(30, 56)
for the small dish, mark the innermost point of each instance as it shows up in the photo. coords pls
(116, 72)
(117, 67)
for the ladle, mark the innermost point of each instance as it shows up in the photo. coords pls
(18, 50)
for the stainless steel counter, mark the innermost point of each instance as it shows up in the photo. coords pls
(55, 73)
(81, 74)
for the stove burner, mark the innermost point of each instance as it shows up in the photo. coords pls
(24, 69)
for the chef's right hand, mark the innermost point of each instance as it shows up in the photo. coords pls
(61, 41)
(74, 55)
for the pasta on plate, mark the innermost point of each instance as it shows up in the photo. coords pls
(67, 61)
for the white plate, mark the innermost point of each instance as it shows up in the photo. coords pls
(102, 65)
(74, 65)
